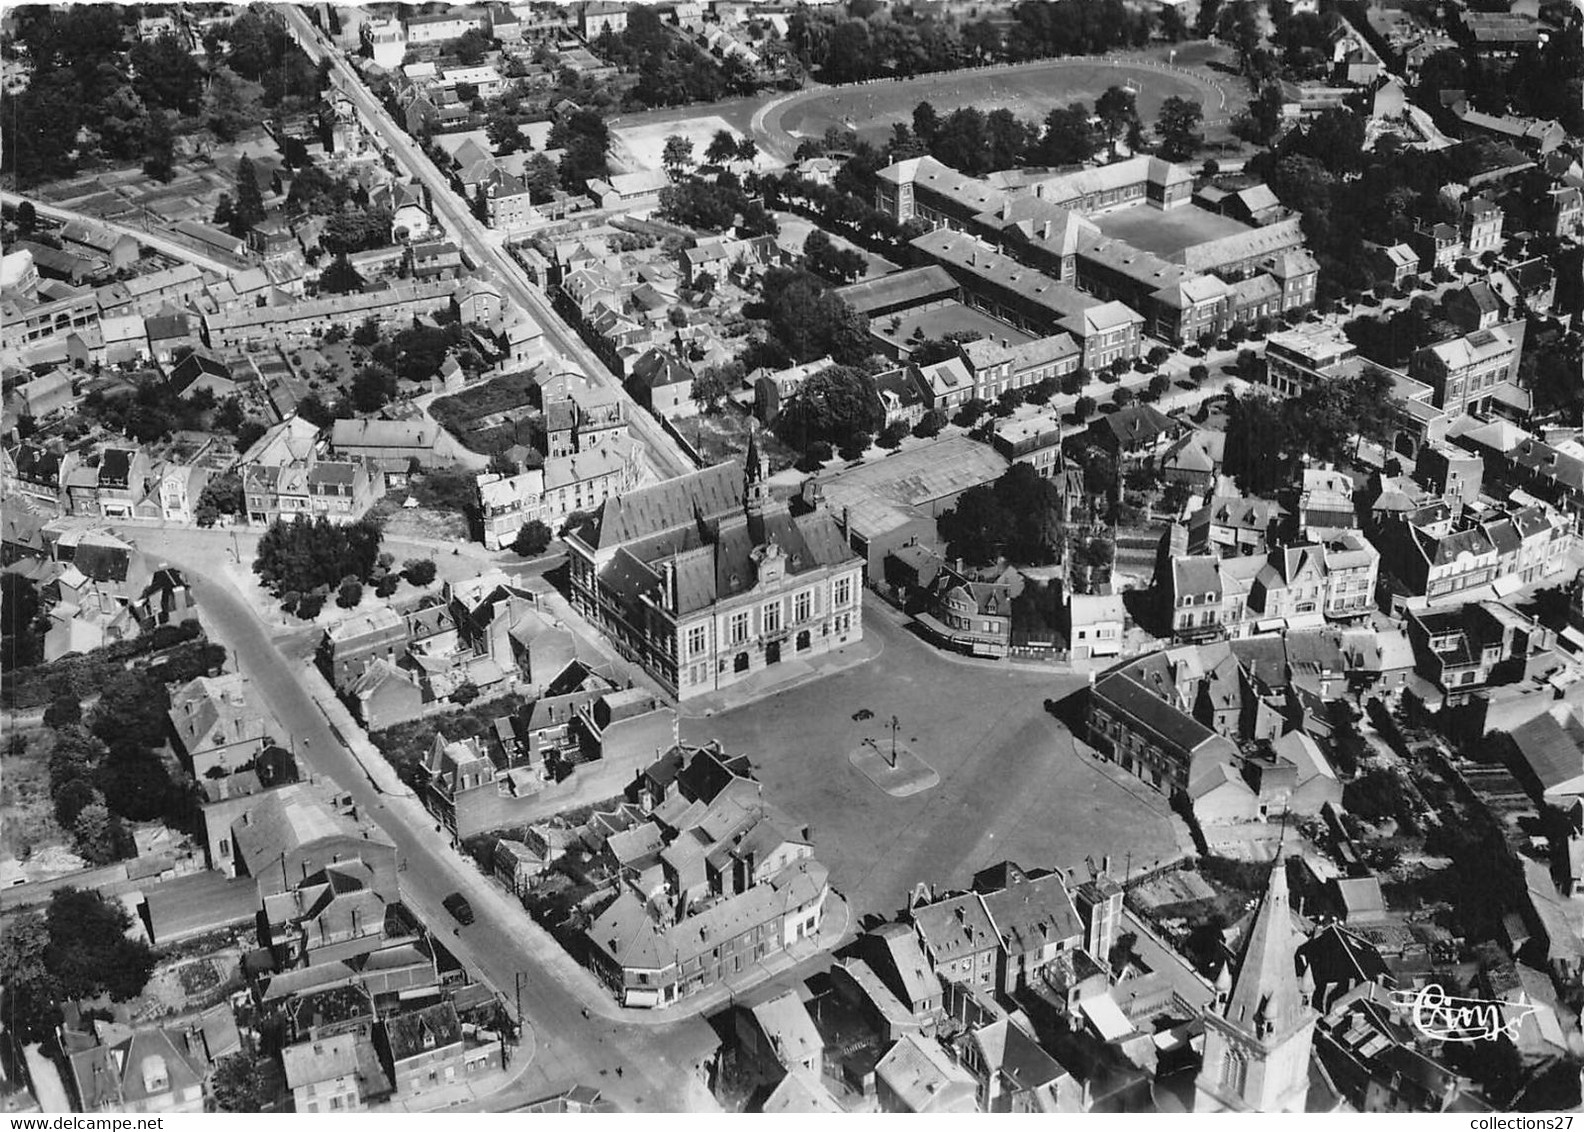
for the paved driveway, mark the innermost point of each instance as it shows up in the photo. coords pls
(1013, 786)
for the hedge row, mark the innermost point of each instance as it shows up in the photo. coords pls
(81, 674)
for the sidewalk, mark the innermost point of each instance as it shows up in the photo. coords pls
(379, 772)
(874, 603)
(783, 677)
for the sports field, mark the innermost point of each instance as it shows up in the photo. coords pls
(1029, 91)
(640, 146)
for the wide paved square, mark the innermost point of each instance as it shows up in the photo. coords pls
(1012, 785)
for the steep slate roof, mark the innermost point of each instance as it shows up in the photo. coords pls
(1162, 718)
(1552, 744)
(1266, 991)
(214, 711)
(956, 927)
(1273, 238)
(708, 494)
(286, 820)
(1030, 914)
(924, 1078)
(1135, 424)
(432, 1027)
(320, 1060)
(903, 287)
(914, 973)
(110, 1075)
(786, 1023)
(800, 1093)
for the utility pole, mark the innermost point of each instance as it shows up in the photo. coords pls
(894, 725)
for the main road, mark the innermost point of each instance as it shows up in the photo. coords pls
(640, 1063)
(483, 246)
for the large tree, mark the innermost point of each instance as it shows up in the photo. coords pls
(1178, 127)
(29, 990)
(166, 75)
(832, 406)
(1069, 137)
(1117, 109)
(231, 103)
(677, 155)
(809, 321)
(722, 148)
(247, 207)
(1018, 518)
(239, 1083)
(89, 952)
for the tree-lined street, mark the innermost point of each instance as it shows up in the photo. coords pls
(484, 247)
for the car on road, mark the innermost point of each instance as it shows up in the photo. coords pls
(458, 906)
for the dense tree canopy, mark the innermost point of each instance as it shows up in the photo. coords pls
(305, 554)
(584, 138)
(833, 405)
(809, 321)
(1017, 518)
(89, 953)
(1265, 438)
(854, 42)
(96, 92)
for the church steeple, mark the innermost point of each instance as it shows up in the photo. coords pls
(756, 476)
(1257, 1046)
(1266, 996)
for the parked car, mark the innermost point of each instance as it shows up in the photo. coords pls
(458, 906)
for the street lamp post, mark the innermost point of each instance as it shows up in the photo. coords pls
(894, 725)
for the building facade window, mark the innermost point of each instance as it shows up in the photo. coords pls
(696, 640)
(772, 617)
(841, 592)
(739, 628)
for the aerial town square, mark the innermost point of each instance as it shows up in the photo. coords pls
(804, 556)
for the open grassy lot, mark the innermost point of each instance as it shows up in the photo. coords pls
(1029, 91)
(1012, 786)
(491, 417)
(1166, 233)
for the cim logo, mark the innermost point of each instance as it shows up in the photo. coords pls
(1443, 1017)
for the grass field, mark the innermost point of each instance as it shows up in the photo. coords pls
(1030, 92)
(490, 417)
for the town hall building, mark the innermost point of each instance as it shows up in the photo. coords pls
(706, 579)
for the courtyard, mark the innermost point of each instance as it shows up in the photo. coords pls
(1013, 786)
(910, 328)
(1166, 233)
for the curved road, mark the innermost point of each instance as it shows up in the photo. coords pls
(575, 1045)
(159, 243)
(484, 246)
